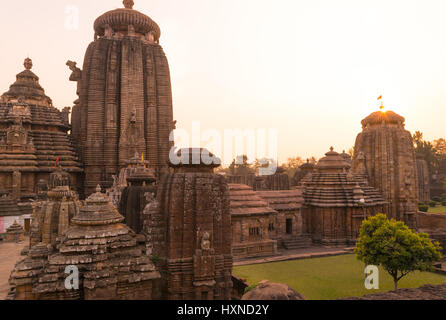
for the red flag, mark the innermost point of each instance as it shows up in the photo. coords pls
(57, 161)
(380, 97)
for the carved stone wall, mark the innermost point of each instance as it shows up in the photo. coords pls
(190, 231)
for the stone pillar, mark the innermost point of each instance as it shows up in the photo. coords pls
(16, 184)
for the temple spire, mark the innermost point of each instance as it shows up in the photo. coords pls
(28, 64)
(128, 4)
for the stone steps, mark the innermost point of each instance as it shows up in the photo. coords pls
(297, 242)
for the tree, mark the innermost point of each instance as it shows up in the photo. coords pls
(395, 247)
(292, 166)
(240, 166)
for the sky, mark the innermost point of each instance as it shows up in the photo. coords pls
(311, 69)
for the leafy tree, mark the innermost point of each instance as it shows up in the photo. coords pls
(395, 247)
(292, 165)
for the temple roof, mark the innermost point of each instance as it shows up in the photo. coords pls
(120, 19)
(97, 211)
(245, 202)
(333, 161)
(9, 207)
(380, 117)
(283, 200)
(27, 88)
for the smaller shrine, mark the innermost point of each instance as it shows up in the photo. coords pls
(337, 201)
(252, 221)
(14, 233)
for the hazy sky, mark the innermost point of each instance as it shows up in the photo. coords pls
(312, 69)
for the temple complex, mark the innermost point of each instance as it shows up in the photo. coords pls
(111, 263)
(252, 222)
(33, 137)
(125, 98)
(337, 201)
(189, 229)
(390, 163)
(277, 181)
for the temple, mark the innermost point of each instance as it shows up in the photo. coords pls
(125, 98)
(390, 163)
(33, 137)
(337, 201)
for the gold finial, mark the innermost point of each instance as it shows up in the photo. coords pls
(98, 189)
(382, 103)
(28, 64)
(128, 4)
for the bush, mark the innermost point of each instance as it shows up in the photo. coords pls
(423, 208)
(432, 204)
(421, 203)
(436, 199)
(443, 203)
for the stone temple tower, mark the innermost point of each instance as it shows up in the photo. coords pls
(384, 151)
(125, 98)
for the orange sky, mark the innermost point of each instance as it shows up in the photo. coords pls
(312, 69)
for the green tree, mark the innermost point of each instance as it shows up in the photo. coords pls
(395, 247)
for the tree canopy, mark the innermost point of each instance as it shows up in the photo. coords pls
(394, 246)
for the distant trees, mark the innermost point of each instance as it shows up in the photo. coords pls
(395, 247)
(434, 152)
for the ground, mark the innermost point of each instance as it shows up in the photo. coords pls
(9, 255)
(438, 209)
(329, 278)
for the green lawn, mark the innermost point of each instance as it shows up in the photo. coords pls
(438, 209)
(329, 278)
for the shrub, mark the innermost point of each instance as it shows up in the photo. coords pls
(443, 203)
(436, 199)
(423, 208)
(421, 203)
(432, 204)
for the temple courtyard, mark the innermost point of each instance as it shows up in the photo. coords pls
(329, 278)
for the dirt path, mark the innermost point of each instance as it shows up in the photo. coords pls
(9, 255)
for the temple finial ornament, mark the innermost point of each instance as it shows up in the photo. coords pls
(28, 64)
(98, 189)
(128, 4)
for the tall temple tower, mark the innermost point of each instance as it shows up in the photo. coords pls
(125, 97)
(384, 151)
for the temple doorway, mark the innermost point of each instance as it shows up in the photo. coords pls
(289, 226)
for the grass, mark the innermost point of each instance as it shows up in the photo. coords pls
(438, 209)
(329, 278)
